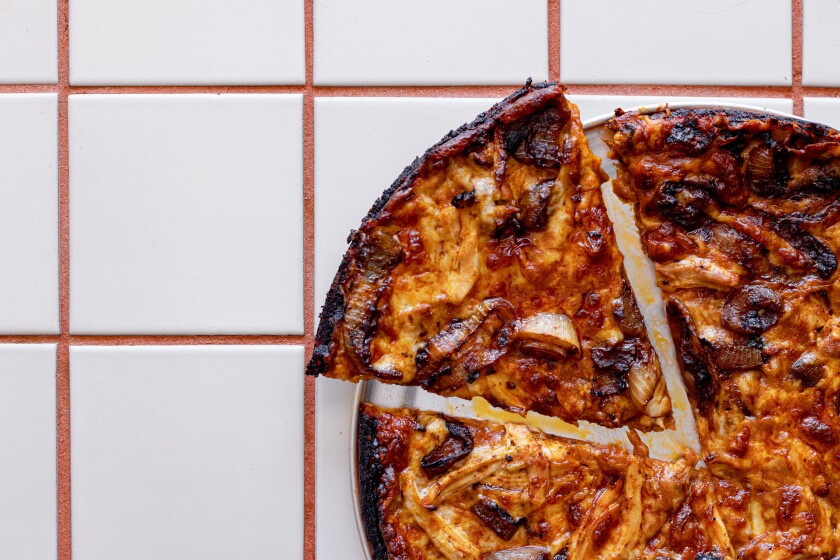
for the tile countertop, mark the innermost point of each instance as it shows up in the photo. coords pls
(177, 181)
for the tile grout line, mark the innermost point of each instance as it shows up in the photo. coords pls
(554, 40)
(309, 426)
(796, 54)
(63, 475)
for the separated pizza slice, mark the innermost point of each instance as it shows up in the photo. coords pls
(434, 487)
(740, 214)
(490, 268)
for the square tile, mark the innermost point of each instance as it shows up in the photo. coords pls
(715, 42)
(825, 110)
(592, 106)
(28, 213)
(430, 42)
(27, 451)
(29, 42)
(187, 452)
(361, 147)
(820, 42)
(186, 214)
(182, 42)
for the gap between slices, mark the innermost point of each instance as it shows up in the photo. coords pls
(490, 269)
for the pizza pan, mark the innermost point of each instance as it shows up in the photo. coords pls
(667, 445)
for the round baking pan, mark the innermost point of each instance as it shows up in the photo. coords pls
(664, 445)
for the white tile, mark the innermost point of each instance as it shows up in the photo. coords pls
(714, 42)
(597, 105)
(430, 42)
(186, 42)
(27, 452)
(28, 213)
(820, 42)
(187, 452)
(337, 536)
(825, 110)
(361, 147)
(28, 42)
(186, 214)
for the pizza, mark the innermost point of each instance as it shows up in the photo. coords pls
(490, 269)
(740, 214)
(434, 487)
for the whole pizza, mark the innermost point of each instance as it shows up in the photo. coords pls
(490, 269)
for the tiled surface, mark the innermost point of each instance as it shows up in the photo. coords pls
(186, 214)
(820, 42)
(29, 213)
(826, 111)
(187, 452)
(27, 451)
(676, 42)
(429, 42)
(191, 218)
(186, 42)
(28, 42)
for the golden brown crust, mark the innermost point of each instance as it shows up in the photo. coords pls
(739, 213)
(490, 269)
(515, 487)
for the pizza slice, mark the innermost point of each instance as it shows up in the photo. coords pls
(740, 214)
(490, 268)
(435, 487)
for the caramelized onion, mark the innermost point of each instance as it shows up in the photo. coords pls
(497, 518)
(626, 311)
(377, 256)
(533, 205)
(519, 553)
(446, 342)
(737, 356)
(751, 310)
(548, 335)
(458, 445)
(808, 369)
(762, 174)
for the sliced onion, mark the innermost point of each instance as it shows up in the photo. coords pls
(737, 356)
(446, 342)
(548, 335)
(647, 389)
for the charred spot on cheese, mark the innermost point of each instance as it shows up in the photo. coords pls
(497, 518)
(682, 201)
(822, 257)
(458, 445)
(690, 134)
(617, 358)
(464, 199)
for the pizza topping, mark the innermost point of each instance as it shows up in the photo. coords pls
(682, 201)
(447, 342)
(617, 358)
(533, 205)
(738, 355)
(497, 518)
(698, 272)
(548, 335)
(458, 445)
(763, 174)
(379, 254)
(808, 369)
(535, 139)
(519, 553)
(751, 310)
(627, 313)
(691, 353)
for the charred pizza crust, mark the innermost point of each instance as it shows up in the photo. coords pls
(490, 268)
(740, 214)
(435, 487)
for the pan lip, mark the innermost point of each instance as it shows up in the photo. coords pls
(589, 124)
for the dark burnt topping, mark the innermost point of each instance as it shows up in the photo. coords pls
(626, 311)
(497, 518)
(533, 205)
(691, 354)
(534, 139)
(458, 445)
(751, 310)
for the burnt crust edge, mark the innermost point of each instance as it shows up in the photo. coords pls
(370, 470)
(526, 100)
